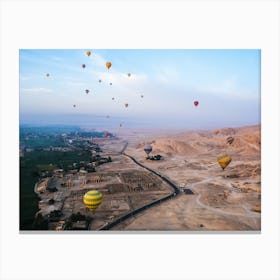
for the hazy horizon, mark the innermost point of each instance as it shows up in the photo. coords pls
(101, 122)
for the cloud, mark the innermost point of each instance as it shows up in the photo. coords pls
(167, 74)
(25, 78)
(98, 60)
(228, 89)
(36, 90)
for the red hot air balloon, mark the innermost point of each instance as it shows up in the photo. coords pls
(107, 134)
(195, 103)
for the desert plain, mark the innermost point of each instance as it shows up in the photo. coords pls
(222, 200)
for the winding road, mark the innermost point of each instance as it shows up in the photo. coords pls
(149, 205)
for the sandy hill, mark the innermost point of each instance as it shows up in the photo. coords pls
(246, 140)
(172, 146)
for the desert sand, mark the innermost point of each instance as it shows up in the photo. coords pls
(222, 200)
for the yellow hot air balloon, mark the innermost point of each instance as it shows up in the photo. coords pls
(224, 161)
(128, 74)
(88, 53)
(92, 199)
(108, 64)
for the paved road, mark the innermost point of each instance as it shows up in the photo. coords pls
(147, 206)
(124, 147)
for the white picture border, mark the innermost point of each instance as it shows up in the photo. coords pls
(139, 24)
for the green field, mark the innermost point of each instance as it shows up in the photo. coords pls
(30, 167)
(44, 142)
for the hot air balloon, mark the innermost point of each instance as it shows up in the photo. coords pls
(99, 81)
(47, 75)
(108, 64)
(148, 148)
(195, 103)
(74, 105)
(216, 131)
(126, 105)
(107, 134)
(83, 65)
(110, 84)
(128, 74)
(87, 91)
(113, 98)
(230, 140)
(92, 199)
(142, 95)
(224, 161)
(88, 53)
(120, 125)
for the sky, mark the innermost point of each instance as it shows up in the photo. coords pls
(226, 83)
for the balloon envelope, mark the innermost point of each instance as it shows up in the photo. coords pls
(128, 74)
(224, 161)
(195, 103)
(47, 75)
(83, 65)
(126, 105)
(92, 199)
(148, 148)
(216, 131)
(108, 64)
(107, 134)
(88, 53)
(230, 140)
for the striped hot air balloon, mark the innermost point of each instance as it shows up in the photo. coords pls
(92, 199)
(230, 140)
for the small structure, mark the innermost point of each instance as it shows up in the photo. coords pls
(94, 179)
(188, 191)
(60, 225)
(79, 225)
(69, 183)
